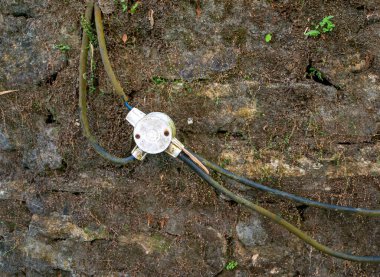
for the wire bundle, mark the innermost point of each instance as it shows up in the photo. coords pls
(276, 218)
(83, 83)
(91, 8)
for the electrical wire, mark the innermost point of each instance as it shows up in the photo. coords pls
(83, 97)
(105, 59)
(129, 107)
(104, 54)
(303, 200)
(275, 218)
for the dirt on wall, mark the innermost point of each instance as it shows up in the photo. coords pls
(256, 108)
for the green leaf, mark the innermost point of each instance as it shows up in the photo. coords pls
(158, 80)
(327, 19)
(124, 5)
(326, 24)
(315, 72)
(268, 38)
(134, 7)
(313, 33)
(231, 265)
(62, 47)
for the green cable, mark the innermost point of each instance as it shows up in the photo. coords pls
(276, 218)
(103, 52)
(83, 96)
(306, 201)
(203, 175)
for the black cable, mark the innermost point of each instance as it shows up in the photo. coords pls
(196, 168)
(276, 218)
(284, 194)
(105, 154)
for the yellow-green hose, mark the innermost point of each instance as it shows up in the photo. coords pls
(83, 97)
(276, 218)
(306, 201)
(119, 90)
(103, 52)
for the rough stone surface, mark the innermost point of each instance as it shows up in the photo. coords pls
(251, 233)
(107, 6)
(200, 65)
(27, 53)
(60, 227)
(215, 248)
(254, 109)
(174, 222)
(45, 155)
(35, 204)
(12, 189)
(4, 142)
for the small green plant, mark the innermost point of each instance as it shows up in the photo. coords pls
(62, 47)
(134, 7)
(224, 162)
(268, 38)
(287, 139)
(124, 5)
(89, 30)
(231, 265)
(312, 71)
(91, 82)
(159, 80)
(188, 88)
(313, 33)
(325, 26)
